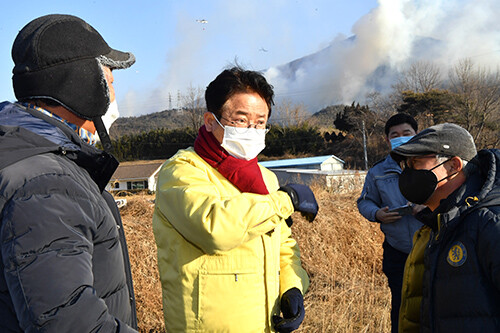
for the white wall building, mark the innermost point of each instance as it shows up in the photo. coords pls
(135, 176)
(328, 170)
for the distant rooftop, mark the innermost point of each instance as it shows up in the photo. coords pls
(299, 161)
(136, 169)
(342, 172)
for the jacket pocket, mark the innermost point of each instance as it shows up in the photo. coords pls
(232, 301)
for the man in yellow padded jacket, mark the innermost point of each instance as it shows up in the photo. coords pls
(226, 258)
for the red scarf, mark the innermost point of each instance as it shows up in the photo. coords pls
(245, 175)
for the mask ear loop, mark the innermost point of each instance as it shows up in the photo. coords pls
(439, 181)
(440, 164)
(218, 122)
(223, 128)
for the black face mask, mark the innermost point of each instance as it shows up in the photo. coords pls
(417, 186)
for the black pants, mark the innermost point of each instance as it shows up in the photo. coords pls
(393, 266)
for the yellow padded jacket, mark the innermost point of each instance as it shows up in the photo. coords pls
(224, 256)
(411, 293)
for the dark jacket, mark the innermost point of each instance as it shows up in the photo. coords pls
(64, 264)
(461, 280)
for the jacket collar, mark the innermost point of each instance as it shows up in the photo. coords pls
(390, 165)
(99, 164)
(487, 163)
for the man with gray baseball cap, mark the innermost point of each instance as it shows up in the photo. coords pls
(452, 275)
(64, 262)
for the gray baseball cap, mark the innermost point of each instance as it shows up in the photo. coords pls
(444, 139)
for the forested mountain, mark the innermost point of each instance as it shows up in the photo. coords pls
(177, 119)
(169, 119)
(325, 117)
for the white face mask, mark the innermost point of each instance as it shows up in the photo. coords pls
(243, 143)
(110, 116)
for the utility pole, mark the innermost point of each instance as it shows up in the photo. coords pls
(364, 146)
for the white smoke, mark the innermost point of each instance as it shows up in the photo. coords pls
(184, 64)
(386, 41)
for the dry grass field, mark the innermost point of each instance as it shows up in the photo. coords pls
(340, 250)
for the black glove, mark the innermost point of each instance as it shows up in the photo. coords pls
(292, 308)
(303, 200)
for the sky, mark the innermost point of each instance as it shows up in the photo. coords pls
(182, 45)
(175, 51)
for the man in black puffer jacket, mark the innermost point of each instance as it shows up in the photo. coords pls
(64, 263)
(460, 278)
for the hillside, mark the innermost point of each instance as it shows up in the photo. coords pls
(169, 119)
(325, 117)
(340, 250)
(172, 119)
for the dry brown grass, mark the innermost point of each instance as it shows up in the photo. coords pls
(137, 216)
(342, 253)
(340, 250)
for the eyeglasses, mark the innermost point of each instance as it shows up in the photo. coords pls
(243, 125)
(410, 161)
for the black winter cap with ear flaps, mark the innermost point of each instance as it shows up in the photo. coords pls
(58, 57)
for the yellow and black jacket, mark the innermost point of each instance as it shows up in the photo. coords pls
(452, 276)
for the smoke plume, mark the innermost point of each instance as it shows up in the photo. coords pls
(385, 42)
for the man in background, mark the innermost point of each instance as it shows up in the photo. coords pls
(64, 263)
(452, 275)
(226, 257)
(379, 197)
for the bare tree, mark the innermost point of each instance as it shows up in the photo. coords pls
(364, 128)
(478, 101)
(287, 114)
(383, 105)
(194, 106)
(420, 77)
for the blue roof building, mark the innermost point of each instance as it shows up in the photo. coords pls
(323, 163)
(328, 170)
